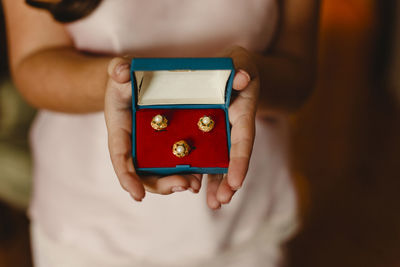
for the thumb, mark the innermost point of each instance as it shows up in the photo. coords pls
(241, 80)
(118, 70)
(246, 70)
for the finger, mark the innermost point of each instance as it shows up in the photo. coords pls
(123, 166)
(224, 192)
(242, 116)
(195, 182)
(119, 91)
(212, 187)
(241, 80)
(242, 138)
(117, 105)
(118, 69)
(168, 184)
(119, 145)
(119, 126)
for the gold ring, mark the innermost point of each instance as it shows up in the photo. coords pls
(205, 124)
(181, 149)
(159, 122)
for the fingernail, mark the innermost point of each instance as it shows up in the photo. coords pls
(121, 68)
(178, 189)
(193, 191)
(136, 199)
(225, 200)
(219, 207)
(235, 188)
(245, 74)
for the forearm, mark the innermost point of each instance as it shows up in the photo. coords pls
(285, 82)
(62, 79)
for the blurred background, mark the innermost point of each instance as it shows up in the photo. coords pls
(345, 146)
(15, 167)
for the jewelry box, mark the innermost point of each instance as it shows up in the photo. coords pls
(182, 90)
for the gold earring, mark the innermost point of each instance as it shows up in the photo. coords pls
(205, 124)
(181, 149)
(159, 122)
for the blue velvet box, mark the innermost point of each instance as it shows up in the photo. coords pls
(172, 84)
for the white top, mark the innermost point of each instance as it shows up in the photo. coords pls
(77, 199)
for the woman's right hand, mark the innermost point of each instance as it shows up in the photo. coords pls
(118, 115)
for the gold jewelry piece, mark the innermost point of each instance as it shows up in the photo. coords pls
(181, 149)
(205, 124)
(159, 122)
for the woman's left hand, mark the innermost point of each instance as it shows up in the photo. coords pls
(242, 112)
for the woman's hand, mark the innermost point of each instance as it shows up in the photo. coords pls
(242, 112)
(118, 115)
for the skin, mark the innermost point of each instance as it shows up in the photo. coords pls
(51, 74)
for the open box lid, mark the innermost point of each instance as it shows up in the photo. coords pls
(182, 81)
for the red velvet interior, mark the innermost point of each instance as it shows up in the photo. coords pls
(154, 148)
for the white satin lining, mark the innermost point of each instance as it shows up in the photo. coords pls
(181, 87)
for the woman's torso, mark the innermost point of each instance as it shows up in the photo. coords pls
(176, 27)
(77, 198)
